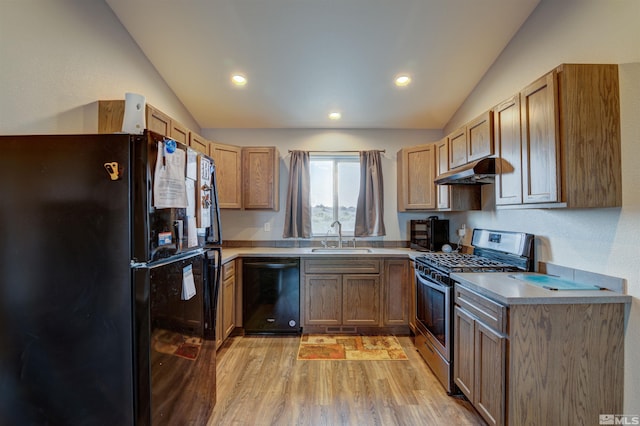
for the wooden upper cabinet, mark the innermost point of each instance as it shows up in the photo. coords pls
(247, 177)
(570, 138)
(416, 173)
(110, 116)
(260, 178)
(198, 143)
(179, 133)
(458, 148)
(418, 167)
(158, 121)
(228, 163)
(508, 146)
(442, 166)
(480, 137)
(472, 141)
(540, 150)
(589, 120)
(454, 197)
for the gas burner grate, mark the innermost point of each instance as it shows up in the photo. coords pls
(463, 262)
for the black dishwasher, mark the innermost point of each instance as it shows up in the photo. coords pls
(271, 295)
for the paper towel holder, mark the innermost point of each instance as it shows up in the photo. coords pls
(134, 113)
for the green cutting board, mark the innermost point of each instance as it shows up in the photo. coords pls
(550, 282)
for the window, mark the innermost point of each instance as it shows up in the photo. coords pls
(335, 183)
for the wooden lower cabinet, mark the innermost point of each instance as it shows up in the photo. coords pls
(361, 300)
(355, 294)
(226, 314)
(412, 297)
(322, 300)
(396, 288)
(479, 365)
(535, 364)
(336, 300)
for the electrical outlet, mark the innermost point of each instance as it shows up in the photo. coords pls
(267, 227)
(462, 231)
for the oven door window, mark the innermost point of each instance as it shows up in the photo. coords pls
(432, 309)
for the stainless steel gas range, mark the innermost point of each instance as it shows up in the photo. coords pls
(494, 251)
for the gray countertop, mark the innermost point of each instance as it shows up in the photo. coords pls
(500, 287)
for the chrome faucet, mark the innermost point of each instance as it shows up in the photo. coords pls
(339, 232)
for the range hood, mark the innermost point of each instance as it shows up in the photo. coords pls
(477, 173)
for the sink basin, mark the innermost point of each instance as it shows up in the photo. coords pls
(344, 250)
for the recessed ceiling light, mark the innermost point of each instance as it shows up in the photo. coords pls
(335, 115)
(239, 79)
(402, 80)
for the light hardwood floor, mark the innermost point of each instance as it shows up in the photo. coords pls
(261, 382)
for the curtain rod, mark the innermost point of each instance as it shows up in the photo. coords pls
(379, 150)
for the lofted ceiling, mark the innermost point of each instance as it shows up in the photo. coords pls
(305, 58)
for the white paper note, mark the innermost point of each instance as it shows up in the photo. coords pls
(204, 207)
(169, 188)
(188, 284)
(192, 164)
(191, 197)
(192, 237)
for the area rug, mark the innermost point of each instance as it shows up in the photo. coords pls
(348, 347)
(172, 343)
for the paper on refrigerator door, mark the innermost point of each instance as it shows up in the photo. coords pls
(192, 236)
(191, 197)
(169, 187)
(188, 284)
(206, 192)
(192, 164)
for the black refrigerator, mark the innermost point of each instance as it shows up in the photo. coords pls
(109, 273)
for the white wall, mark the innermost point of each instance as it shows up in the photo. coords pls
(605, 241)
(249, 225)
(57, 58)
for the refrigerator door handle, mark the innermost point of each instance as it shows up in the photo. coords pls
(216, 234)
(165, 261)
(215, 276)
(178, 230)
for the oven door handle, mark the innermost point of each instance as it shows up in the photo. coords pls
(433, 285)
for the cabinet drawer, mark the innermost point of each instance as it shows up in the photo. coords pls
(487, 311)
(342, 266)
(228, 270)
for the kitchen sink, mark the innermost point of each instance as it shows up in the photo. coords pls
(344, 250)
